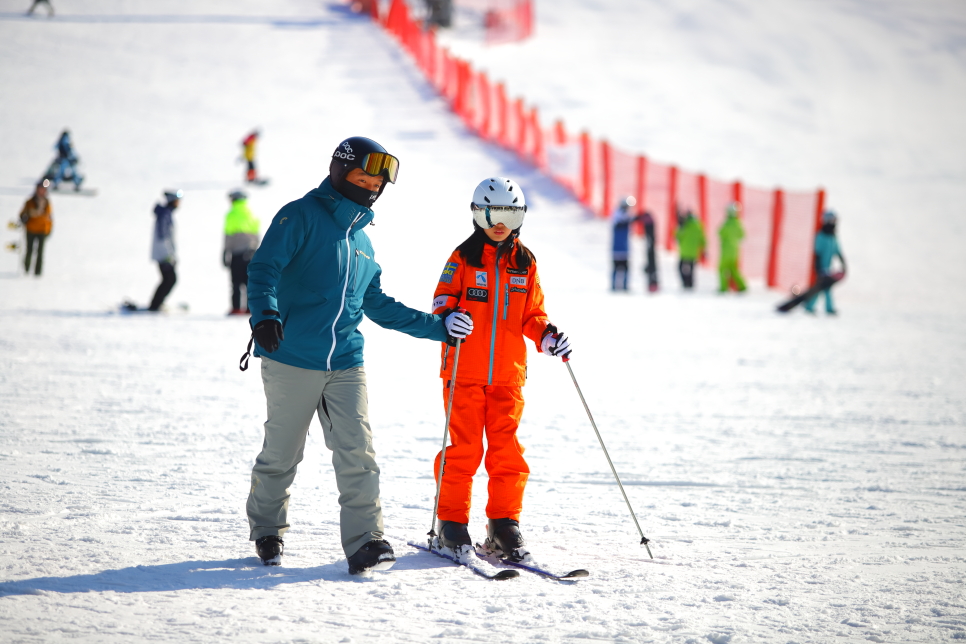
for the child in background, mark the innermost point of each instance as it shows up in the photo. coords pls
(494, 277)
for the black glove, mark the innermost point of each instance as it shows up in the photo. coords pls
(268, 333)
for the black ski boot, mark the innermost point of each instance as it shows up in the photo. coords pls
(270, 549)
(503, 537)
(375, 555)
(453, 535)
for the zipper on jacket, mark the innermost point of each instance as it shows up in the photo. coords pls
(496, 310)
(345, 287)
(506, 299)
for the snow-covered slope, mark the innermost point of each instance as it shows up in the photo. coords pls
(801, 478)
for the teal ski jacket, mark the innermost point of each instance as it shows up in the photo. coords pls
(316, 272)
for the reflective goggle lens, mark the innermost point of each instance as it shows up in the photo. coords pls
(375, 163)
(509, 216)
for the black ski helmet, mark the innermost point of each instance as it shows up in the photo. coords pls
(350, 154)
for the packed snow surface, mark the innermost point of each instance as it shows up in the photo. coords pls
(801, 478)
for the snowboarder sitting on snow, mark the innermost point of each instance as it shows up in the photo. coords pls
(690, 236)
(162, 246)
(316, 272)
(731, 234)
(493, 276)
(64, 167)
(826, 249)
(241, 240)
(622, 219)
(37, 222)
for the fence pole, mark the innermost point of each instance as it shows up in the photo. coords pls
(777, 213)
(819, 209)
(520, 143)
(672, 209)
(704, 215)
(640, 193)
(586, 192)
(538, 157)
(607, 163)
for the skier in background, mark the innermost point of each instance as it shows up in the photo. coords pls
(691, 242)
(35, 3)
(731, 234)
(163, 248)
(241, 240)
(64, 167)
(315, 273)
(622, 218)
(37, 222)
(494, 277)
(650, 266)
(248, 153)
(826, 249)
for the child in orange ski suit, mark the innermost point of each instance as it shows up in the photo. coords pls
(494, 277)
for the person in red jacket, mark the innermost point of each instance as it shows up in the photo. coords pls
(493, 276)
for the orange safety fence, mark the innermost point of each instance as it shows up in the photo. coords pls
(780, 226)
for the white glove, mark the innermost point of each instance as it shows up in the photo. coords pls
(556, 344)
(459, 325)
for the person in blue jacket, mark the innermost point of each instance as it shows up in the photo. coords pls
(622, 218)
(309, 284)
(826, 249)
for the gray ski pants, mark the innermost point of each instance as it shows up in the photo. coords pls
(341, 402)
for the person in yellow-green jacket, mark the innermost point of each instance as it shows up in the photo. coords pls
(731, 234)
(691, 242)
(241, 241)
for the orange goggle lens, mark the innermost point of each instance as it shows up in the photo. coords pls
(375, 163)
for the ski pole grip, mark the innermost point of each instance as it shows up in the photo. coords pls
(565, 358)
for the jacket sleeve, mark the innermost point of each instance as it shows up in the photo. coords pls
(283, 239)
(535, 320)
(449, 289)
(390, 314)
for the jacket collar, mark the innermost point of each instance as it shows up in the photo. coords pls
(342, 211)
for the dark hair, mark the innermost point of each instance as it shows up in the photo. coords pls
(472, 249)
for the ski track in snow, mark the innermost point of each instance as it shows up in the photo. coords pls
(801, 479)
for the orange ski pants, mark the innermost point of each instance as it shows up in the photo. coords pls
(495, 411)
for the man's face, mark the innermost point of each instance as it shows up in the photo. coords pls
(358, 176)
(41, 192)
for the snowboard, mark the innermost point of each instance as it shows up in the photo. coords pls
(258, 182)
(68, 190)
(817, 287)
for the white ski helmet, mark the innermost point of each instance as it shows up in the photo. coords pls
(498, 200)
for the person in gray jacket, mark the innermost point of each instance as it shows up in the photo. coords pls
(162, 246)
(309, 284)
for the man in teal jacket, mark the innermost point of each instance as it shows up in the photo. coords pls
(309, 284)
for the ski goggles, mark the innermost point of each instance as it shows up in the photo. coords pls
(375, 163)
(490, 216)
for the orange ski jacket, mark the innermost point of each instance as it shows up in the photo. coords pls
(36, 217)
(506, 304)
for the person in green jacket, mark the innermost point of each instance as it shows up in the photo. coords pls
(691, 242)
(241, 241)
(731, 234)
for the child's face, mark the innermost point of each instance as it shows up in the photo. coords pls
(498, 233)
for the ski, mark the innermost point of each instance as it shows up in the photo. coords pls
(475, 566)
(532, 566)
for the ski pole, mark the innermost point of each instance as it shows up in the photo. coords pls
(442, 458)
(644, 540)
